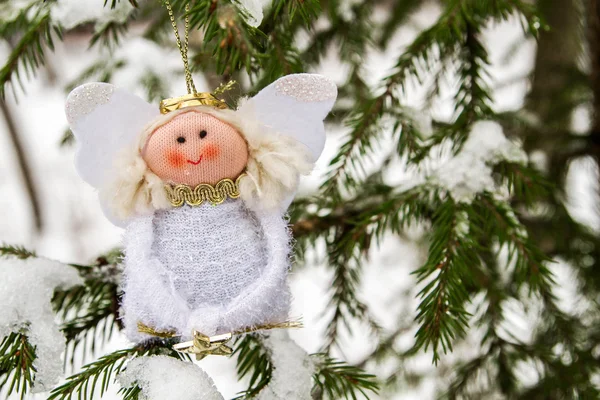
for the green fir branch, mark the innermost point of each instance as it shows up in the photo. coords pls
(113, 3)
(350, 232)
(452, 253)
(16, 251)
(366, 128)
(530, 264)
(473, 99)
(307, 9)
(28, 54)
(131, 393)
(17, 372)
(338, 380)
(365, 120)
(332, 379)
(343, 298)
(90, 314)
(253, 363)
(525, 184)
(156, 87)
(95, 377)
(109, 34)
(399, 14)
(233, 44)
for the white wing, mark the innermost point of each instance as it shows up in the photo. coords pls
(104, 119)
(296, 105)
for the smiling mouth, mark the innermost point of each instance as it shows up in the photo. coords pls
(195, 162)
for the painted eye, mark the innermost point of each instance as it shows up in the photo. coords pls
(203, 134)
(181, 139)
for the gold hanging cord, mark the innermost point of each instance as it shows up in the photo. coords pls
(183, 49)
(193, 98)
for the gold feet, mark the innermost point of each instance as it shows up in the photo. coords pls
(203, 345)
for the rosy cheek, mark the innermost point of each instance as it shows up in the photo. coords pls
(175, 159)
(211, 151)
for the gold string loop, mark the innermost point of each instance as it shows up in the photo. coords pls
(183, 48)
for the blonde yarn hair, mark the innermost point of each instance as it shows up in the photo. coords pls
(275, 163)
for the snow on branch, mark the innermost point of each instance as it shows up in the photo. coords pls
(71, 13)
(164, 377)
(251, 10)
(469, 172)
(26, 291)
(292, 369)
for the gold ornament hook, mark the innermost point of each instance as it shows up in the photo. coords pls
(203, 345)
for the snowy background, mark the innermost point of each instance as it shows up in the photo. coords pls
(74, 229)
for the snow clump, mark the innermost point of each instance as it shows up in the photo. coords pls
(26, 291)
(167, 378)
(469, 172)
(292, 369)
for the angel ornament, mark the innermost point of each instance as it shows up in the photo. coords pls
(201, 190)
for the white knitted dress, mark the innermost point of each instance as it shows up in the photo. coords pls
(210, 268)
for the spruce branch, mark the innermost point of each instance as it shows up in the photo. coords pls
(365, 120)
(442, 315)
(284, 57)
(109, 34)
(113, 3)
(88, 310)
(452, 39)
(473, 99)
(343, 299)
(529, 261)
(28, 54)
(401, 11)
(90, 313)
(131, 393)
(307, 9)
(336, 380)
(366, 128)
(95, 378)
(16, 364)
(525, 184)
(17, 251)
(233, 43)
(332, 379)
(253, 362)
(349, 232)
(98, 374)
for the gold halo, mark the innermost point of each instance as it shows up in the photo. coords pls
(190, 100)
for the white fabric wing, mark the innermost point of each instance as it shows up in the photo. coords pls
(104, 120)
(296, 105)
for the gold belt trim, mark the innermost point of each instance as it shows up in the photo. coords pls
(203, 345)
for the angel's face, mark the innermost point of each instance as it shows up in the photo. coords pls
(195, 148)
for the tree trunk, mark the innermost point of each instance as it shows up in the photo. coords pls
(559, 50)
